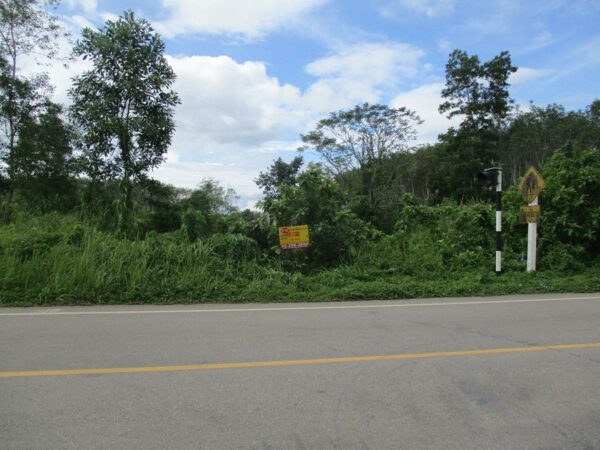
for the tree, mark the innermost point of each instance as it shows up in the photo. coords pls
(124, 104)
(25, 29)
(477, 91)
(534, 135)
(279, 174)
(362, 138)
(206, 207)
(44, 161)
(316, 200)
(571, 204)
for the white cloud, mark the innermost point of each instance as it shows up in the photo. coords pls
(360, 73)
(233, 121)
(190, 173)
(77, 23)
(89, 6)
(425, 100)
(236, 115)
(227, 102)
(376, 61)
(527, 75)
(236, 118)
(247, 18)
(429, 8)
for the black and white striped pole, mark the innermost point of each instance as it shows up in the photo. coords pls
(493, 177)
(499, 222)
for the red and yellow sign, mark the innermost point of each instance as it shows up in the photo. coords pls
(293, 237)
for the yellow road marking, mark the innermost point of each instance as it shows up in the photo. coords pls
(293, 362)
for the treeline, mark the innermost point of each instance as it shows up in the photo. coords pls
(78, 204)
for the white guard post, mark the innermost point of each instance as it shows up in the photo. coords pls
(532, 241)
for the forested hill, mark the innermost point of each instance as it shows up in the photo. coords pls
(82, 221)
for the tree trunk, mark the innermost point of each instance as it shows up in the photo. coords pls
(125, 206)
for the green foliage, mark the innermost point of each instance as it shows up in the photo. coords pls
(385, 221)
(26, 29)
(479, 92)
(194, 224)
(336, 233)
(44, 162)
(279, 174)
(235, 247)
(537, 133)
(362, 139)
(124, 105)
(571, 201)
(55, 260)
(211, 198)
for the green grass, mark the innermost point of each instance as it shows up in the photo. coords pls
(56, 260)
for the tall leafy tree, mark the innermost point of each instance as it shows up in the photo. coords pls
(45, 162)
(362, 138)
(477, 91)
(124, 105)
(279, 174)
(26, 28)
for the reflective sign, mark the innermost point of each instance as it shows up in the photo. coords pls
(529, 214)
(531, 184)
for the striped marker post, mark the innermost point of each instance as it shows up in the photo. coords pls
(489, 178)
(499, 223)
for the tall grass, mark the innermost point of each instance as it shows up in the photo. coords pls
(57, 260)
(82, 264)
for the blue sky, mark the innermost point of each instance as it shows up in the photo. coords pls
(253, 75)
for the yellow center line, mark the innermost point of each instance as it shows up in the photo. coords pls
(293, 362)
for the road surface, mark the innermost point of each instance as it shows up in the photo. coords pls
(479, 373)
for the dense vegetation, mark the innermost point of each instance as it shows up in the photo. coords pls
(83, 222)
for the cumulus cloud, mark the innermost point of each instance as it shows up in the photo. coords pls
(233, 121)
(425, 100)
(235, 118)
(230, 102)
(359, 73)
(527, 75)
(242, 17)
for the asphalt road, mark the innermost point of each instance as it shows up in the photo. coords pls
(481, 373)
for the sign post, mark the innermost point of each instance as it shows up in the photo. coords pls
(293, 237)
(530, 186)
(532, 242)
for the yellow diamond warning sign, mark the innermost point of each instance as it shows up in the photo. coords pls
(531, 184)
(293, 237)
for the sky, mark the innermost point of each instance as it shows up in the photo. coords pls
(255, 75)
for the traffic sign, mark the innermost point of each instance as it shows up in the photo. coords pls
(529, 214)
(531, 184)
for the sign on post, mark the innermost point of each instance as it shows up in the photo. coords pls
(530, 186)
(294, 237)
